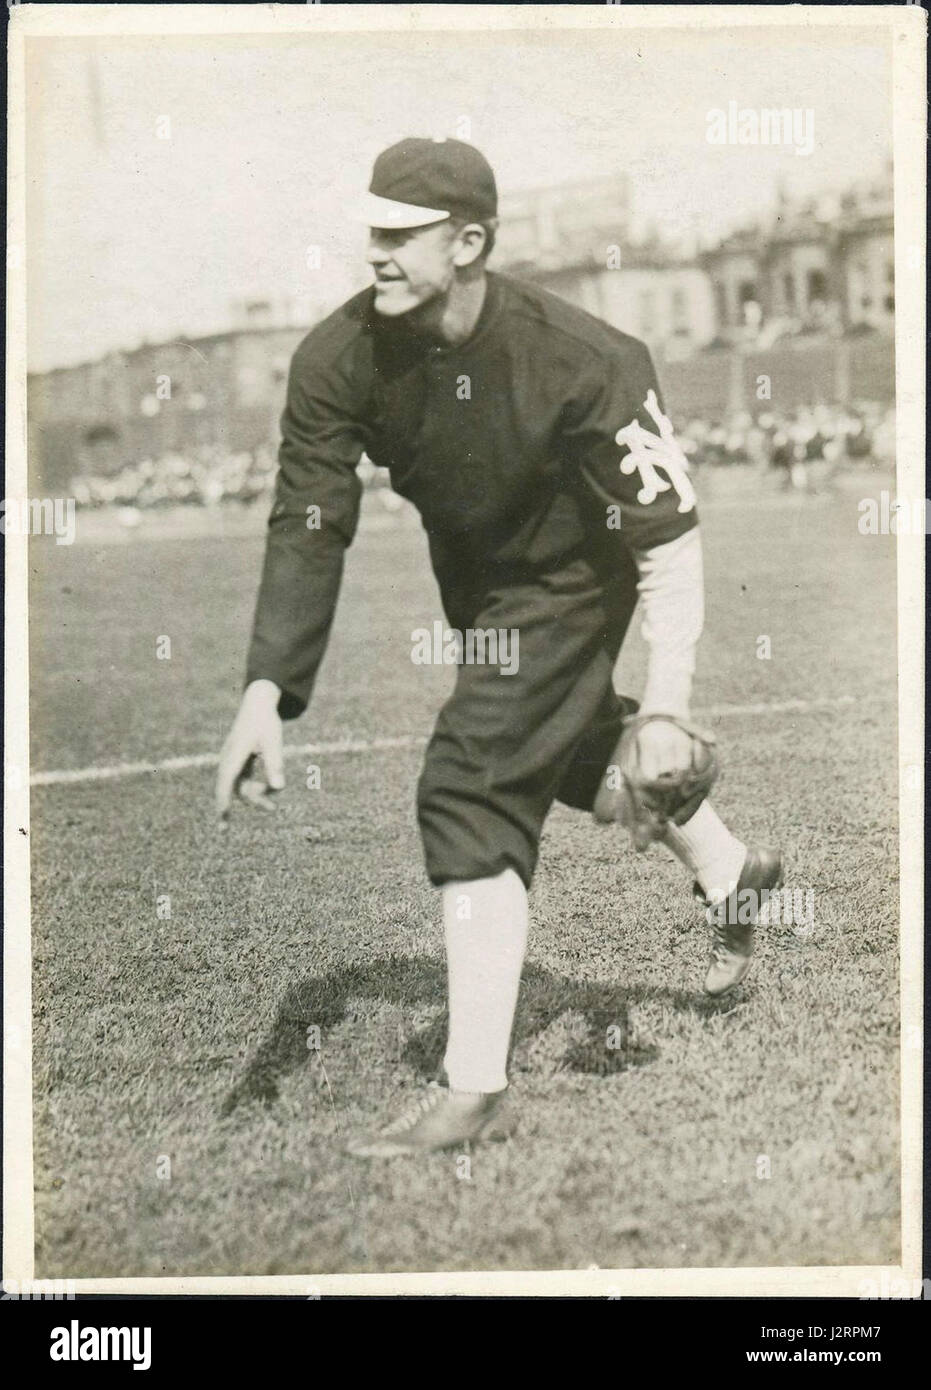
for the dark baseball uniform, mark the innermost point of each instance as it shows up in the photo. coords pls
(506, 445)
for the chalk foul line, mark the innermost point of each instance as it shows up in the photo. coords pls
(72, 776)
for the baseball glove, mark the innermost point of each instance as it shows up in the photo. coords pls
(648, 804)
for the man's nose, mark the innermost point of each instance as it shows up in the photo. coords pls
(376, 254)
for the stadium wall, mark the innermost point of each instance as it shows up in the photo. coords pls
(227, 392)
(714, 384)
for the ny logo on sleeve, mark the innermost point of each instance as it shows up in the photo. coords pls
(651, 451)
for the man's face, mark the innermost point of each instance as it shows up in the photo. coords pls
(411, 265)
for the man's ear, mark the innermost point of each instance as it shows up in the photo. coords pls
(472, 238)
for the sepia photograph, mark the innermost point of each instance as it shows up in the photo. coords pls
(464, 524)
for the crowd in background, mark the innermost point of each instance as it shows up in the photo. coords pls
(831, 434)
(204, 475)
(784, 443)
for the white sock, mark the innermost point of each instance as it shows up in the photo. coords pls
(485, 922)
(709, 851)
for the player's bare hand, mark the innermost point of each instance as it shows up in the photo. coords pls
(254, 742)
(664, 749)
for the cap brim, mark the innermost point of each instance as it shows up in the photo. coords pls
(385, 213)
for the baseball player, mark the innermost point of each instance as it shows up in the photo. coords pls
(531, 438)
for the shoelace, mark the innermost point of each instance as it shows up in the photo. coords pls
(415, 1112)
(720, 943)
(723, 938)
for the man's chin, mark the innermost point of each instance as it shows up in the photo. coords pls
(392, 305)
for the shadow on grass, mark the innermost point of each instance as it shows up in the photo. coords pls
(599, 1043)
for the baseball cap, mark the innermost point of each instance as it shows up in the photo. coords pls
(418, 182)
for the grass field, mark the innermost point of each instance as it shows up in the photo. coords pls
(186, 1038)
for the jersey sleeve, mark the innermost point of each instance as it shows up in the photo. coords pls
(313, 520)
(671, 588)
(633, 472)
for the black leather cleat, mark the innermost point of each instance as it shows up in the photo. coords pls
(734, 918)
